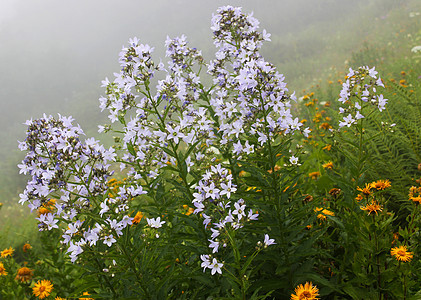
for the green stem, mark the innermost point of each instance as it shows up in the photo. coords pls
(134, 269)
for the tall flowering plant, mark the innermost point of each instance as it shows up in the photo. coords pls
(209, 156)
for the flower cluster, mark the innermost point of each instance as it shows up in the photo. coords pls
(415, 194)
(162, 121)
(75, 172)
(360, 84)
(251, 100)
(368, 194)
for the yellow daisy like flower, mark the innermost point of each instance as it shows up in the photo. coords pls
(2, 270)
(328, 165)
(24, 274)
(328, 147)
(373, 207)
(381, 184)
(42, 289)
(308, 291)
(366, 190)
(324, 213)
(325, 126)
(359, 198)
(314, 175)
(401, 253)
(59, 298)
(7, 252)
(86, 298)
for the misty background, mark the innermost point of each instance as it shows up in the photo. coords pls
(54, 54)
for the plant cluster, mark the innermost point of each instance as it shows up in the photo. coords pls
(221, 191)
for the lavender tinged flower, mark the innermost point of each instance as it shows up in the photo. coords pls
(360, 84)
(61, 164)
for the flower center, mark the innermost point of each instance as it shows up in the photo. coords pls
(401, 253)
(41, 289)
(305, 295)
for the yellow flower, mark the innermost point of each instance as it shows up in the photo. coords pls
(416, 200)
(137, 218)
(314, 175)
(381, 184)
(324, 213)
(42, 289)
(86, 298)
(328, 165)
(366, 190)
(27, 247)
(373, 207)
(359, 198)
(190, 210)
(59, 298)
(7, 252)
(24, 274)
(2, 269)
(305, 292)
(327, 147)
(401, 253)
(325, 126)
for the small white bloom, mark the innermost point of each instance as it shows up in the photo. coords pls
(216, 267)
(268, 241)
(155, 223)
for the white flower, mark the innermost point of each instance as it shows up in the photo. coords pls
(416, 49)
(104, 207)
(109, 240)
(155, 223)
(205, 261)
(348, 121)
(215, 266)
(239, 209)
(268, 241)
(293, 160)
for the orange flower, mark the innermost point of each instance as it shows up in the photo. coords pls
(308, 291)
(86, 298)
(137, 218)
(325, 126)
(328, 165)
(314, 175)
(373, 207)
(324, 213)
(401, 253)
(2, 270)
(190, 210)
(381, 184)
(42, 289)
(27, 247)
(359, 198)
(24, 274)
(7, 252)
(366, 190)
(327, 147)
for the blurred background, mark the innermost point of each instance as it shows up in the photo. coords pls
(54, 54)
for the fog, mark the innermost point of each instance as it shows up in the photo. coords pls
(54, 54)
